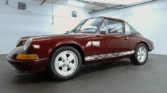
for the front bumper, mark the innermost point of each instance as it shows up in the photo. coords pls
(29, 66)
(38, 65)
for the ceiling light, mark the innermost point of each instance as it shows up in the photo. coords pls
(123, 2)
(75, 3)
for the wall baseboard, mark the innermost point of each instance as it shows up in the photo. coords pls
(157, 54)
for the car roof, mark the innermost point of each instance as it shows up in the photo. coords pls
(112, 18)
(108, 18)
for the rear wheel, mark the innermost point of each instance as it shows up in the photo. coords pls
(65, 63)
(141, 55)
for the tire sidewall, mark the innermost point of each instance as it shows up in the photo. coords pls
(137, 48)
(52, 62)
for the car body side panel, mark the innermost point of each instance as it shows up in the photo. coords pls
(89, 43)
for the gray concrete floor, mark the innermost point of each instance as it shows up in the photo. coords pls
(116, 77)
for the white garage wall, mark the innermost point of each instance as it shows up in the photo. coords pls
(16, 23)
(149, 19)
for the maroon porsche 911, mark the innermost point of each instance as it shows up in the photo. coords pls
(94, 40)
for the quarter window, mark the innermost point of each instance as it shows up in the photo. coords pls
(132, 30)
(129, 29)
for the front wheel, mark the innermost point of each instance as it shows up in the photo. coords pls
(141, 55)
(65, 63)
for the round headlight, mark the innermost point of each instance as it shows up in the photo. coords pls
(28, 43)
(18, 42)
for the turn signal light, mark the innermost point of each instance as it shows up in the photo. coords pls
(27, 57)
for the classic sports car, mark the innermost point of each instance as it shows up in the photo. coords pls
(94, 40)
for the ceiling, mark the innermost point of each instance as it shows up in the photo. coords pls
(95, 5)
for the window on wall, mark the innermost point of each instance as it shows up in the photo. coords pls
(74, 14)
(113, 26)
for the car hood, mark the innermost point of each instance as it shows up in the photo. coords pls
(55, 36)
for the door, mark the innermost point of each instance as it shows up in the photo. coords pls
(114, 43)
(116, 39)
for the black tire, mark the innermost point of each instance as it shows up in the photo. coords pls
(51, 68)
(134, 59)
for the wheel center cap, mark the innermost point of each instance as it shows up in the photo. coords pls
(66, 63)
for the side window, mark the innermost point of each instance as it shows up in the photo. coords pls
(115, 26)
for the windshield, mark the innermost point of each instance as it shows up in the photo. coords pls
(88, 26)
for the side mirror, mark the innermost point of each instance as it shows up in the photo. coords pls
(103, 31)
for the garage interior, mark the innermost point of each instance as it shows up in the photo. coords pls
(44, 17)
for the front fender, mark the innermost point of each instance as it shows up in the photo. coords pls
(64, 43)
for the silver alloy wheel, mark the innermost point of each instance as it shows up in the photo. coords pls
(141, 54)
(66, 63)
